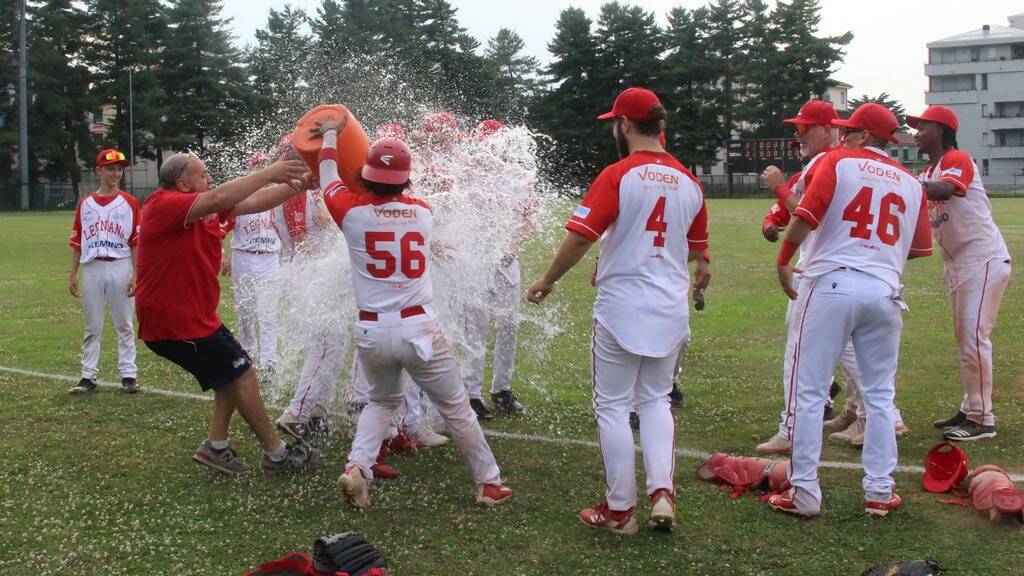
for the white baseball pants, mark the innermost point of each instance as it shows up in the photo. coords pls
(417, 345)
(105, 283)
(622, 379)
(318, 382)
(505, 298)
(410, 410)
(255, 282)
(975, 305)
(833, 309)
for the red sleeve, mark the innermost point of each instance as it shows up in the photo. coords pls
(133, 239)
(958, 170)
(697, 235)
(599, 208)
(75, 241)
(295, 215)
(819, 193)
(777, 216)
(169, 210)
(922, 243)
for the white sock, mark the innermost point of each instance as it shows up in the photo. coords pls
(218, 444)
(278, 455)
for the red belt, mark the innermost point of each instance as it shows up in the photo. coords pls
(405, 313)
(105, 258)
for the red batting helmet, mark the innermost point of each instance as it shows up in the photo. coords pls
(944, 467)
(388, 162)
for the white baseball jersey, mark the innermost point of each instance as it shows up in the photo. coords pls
(649, 212)
(963, 225)
(106, 226)
(869, 214)
(387, 239)
(256, 233)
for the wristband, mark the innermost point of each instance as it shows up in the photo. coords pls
(786, 252)
(706, 256)
(782, 192)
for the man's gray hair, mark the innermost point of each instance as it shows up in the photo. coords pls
(172, 169)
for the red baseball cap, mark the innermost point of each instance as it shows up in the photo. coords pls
(814, 113)
(944, 467)
(632, 103)
(440, 122)
(388, 162)
(876, 119)
(488, 127)
(939, 114)
(110, 156)
(391, 130)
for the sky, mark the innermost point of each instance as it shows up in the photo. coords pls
(887, 53)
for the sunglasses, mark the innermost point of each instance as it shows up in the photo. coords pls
(114, 156)
(802, 129)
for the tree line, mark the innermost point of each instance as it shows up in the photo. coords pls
(731, 67)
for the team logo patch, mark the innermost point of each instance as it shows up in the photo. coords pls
(581, 212)
(952, 172)
(386, 159)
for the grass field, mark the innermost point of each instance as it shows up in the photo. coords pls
(104, 484)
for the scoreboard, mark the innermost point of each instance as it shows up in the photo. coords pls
(754, 155)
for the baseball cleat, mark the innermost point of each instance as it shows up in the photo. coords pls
(970, 431)
(382, 469)
(675, 397)
(297, 458)
(601, 517)
(775, 445)
(663, 510)
(430, 439)
(224, 460)
(786, 502)
(129, 385)
(482, 413)
(84, 386)
(353, 410)
(402, 444)
(841, 422)
(852, 431)
(951, 422)
(507, 402)
(290, 425)
(880, 509)
(858, 441)
(318, 431)
(492, 494)
(355, 487)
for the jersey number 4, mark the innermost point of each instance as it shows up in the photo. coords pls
(656, 223)
(413, 260)
(859, 212)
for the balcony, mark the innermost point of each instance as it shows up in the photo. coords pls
(978, 67)
(1006, 152)
(1006, 122)
(952, 97)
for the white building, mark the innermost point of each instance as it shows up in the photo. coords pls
(837, 94)
(980, 76)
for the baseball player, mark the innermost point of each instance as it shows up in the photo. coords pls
(649, 213)
(976, 264)
(816, 136)
(255, 265)
(870, 217)
(388, 233)
(103, 240)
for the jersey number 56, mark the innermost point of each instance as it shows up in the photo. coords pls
(413, 260)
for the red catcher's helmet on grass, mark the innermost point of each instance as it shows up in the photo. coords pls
(388, 162)
(945, 466)
(390, 130)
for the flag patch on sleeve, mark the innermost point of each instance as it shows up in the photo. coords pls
(581, 212)
(952, 172)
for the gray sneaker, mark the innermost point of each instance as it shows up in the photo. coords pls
(224, 460)
(297, 458)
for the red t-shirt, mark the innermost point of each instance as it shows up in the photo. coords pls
(178, 291)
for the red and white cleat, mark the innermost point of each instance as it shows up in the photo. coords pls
(619, 522)
(402, 444)
(880, 509)
(663, 510)
(785, 502)
(492, 494)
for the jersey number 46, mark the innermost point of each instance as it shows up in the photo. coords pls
(859, 212)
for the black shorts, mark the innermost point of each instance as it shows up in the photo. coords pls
(216, 360)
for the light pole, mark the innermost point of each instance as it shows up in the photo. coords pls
(131, 135)
(23, 110)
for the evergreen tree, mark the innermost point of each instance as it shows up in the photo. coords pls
(723, 39)
(280, 59)
(514, 73)
(885, 100)
(8, 87)
(629, 45)
(757, 86)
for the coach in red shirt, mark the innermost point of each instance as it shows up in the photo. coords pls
(178, 291)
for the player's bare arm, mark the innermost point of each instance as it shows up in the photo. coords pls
(229, 194)
(76, 255)
(270, 197)
(939, 191)
(795, 235)
(572, 250)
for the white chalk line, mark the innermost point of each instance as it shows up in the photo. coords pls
(685, 452)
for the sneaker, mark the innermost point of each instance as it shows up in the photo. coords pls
(382, 469)
(355, 487)
(880, 509)
(430, 439)
(675, 397)
(858, 442)
(297, 458)
(507, 402)
(290, 425)
(353, 410)
(951, 422)
(833, 390)
(622, 522)
(224, 460)
(663, 510)
(970, 431)
(634, 420)
(841, 422)
(775, 445)
(319, 431)
(786, 502)
(492, 494)
(852, 431)
(129, 385)
(402, 444)
(84, 386)
(482, 413)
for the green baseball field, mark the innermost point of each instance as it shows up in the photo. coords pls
(104, 484)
